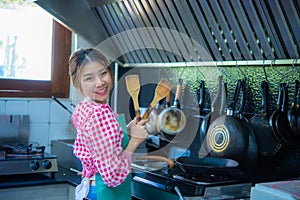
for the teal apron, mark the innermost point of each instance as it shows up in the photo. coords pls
(123, 191)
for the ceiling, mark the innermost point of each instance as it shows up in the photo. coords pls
(167, 31)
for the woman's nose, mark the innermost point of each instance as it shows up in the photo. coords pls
(99, 81)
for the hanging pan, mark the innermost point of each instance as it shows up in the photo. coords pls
(228, 135)
(293, 113)
(267, 143)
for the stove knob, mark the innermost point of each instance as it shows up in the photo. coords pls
(34, 165)
(47, 164)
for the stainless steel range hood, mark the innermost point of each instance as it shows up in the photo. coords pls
(168, 31)
(78, 16)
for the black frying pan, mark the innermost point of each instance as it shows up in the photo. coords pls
(228, 135)
(274, 115)
(267, 143)
(215, 110)
(205, 165)
(292, 113)
(282, 123)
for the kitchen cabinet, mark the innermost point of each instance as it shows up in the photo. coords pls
(43, 192)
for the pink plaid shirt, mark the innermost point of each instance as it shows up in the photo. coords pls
(98, 143)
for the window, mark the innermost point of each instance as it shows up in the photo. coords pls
(32, 68)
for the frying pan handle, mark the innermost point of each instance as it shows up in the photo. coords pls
(285, 97)
(296, 92)
(264, 86)
(280, 95)
(202, 96)
(231, 107)
(178, 93)
(168, 99)
(158, 158)
(224, 98)
(243, 98)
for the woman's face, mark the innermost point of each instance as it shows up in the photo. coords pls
(96, 82)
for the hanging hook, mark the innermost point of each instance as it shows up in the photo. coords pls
(221, 72)
(264, 68)
(279, 73)
(294, 67)
(236, 64)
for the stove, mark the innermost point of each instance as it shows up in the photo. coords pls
(26, 159)
(169, 182)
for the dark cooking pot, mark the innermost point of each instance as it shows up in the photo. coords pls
(228, 135)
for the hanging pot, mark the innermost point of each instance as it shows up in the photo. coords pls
(172, 120)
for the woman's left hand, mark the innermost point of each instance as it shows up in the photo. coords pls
(130, 124)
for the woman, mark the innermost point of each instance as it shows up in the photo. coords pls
(102, 143)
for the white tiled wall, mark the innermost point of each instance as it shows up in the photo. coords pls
(48, 120)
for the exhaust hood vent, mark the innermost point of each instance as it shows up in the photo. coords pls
(155, 31)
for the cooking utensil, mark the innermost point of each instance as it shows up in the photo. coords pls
(172, 120)
(168, 100)
(273, 117)
(161, 91)
(282, 124)
(156, 158)
(215, 109)
(250, 160)
(267, 143)
(61, 104)
(149, 165)
(228, 135)
(133, 88)
(206, 165)
(298, 113)
(292, 113)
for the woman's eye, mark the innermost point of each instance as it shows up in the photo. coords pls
(103, 73)
(88, 79)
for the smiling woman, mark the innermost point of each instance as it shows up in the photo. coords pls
(34, 51)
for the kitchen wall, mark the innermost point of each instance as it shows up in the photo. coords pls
(48, 120)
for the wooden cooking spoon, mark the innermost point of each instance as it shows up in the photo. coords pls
(133, 88)
(161, 91)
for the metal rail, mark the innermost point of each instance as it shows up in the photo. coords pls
(216, 63)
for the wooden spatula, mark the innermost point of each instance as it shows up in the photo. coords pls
(133, 88)
(161, 91)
